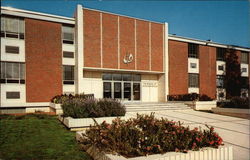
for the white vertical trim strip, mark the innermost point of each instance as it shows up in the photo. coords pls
(118, 34)
(166, 61)
(101, 39)
(149, 46)
(135, 47)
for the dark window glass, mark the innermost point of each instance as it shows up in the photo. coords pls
(117, 90)
(136, 77)
(67, 54)
(117, 77)
(193, 80)
(244, 57)
(127, 77)
(127, 91)
(68, 74)
(68, 34)
(107, 76)
(220, 81)
(193, 65)
(107, 90)
(220, 54)
(193, 50)
(12, 49)
(221, 68)
(244, 82)
(136, 91)
(12, 95)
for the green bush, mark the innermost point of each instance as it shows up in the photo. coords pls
(147, 135)
(189, 97)
(84, 108)
(59, 99)
(235, 102)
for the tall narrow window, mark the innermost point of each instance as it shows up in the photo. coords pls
(68, 34)
(193, 80)
(68, 74)
(220, 54)
(193, 50)
(220, 81)
(244, 57)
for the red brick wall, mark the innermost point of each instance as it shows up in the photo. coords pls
(92, 42)
(156, 47)
(91, 24)
(178, 71)
(207, 69)
(43, 50)
(110, 40)
(142, 38)
(127, 41)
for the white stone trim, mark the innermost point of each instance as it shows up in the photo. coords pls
(101, 40)
(243, 65)
(79, 54)
(118, 44)
(166, 61)
(149, 45)
(195, 61)
(135, 45)
(28, 104)
(121, 70)
(36, 15)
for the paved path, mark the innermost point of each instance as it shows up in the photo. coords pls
(234, 131)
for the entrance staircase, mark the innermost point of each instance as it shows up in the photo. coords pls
(156, 106)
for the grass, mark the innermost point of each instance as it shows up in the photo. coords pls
(37, 137)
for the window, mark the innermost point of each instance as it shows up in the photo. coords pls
(121, 77)
(221, 68)
(244, 82)
(193, 50)
(244, 57)
(117, 77)
(193, 80)
(12, 27)
(107, 76)
(12, 72)
(68, 74)
(12, 49)
(220, 54)
(67, 54)
(193, 65)
(68, 34)
(12, 95)
(243, 69)
(220, 81)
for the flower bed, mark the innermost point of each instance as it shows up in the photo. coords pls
(146, 135)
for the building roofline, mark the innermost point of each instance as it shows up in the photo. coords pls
(36, 15)
(92, 9)
(208, 43)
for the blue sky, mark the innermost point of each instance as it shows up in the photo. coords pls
(221, 21)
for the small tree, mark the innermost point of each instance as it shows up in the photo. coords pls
(233, 74)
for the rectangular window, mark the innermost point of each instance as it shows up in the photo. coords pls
(107, 76)
(67, 54)
(68, 34)
(220, 81)
(221, 68)
(193, 50)
(12, 72)
(12, 95)
(68, 74)
(244, 57)
(12, 49)
(193, 80)
(12, 27)
(220, 54)
(193, 65)
(244, 82)
(243, 69)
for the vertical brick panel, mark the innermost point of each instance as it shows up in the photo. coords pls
(110, 40)
(156, 47)
(178, 71)
(127, 41)
(207, 66)
(43, 53)
(91, 25)
(142, 37)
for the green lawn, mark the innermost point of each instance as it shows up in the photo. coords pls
(37, 137)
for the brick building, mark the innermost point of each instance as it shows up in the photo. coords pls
(107, 54)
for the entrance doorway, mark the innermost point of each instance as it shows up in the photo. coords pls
(122, 86)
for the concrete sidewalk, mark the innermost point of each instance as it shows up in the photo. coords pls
(234, 131)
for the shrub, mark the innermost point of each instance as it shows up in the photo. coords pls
(189, 97)
(146, 135)
(235, 102)
(83, 108)
(59, 99)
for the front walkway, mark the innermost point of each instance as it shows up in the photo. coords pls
(234, 131)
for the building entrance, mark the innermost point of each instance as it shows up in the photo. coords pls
(122, 86)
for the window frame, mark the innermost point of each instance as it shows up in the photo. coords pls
(12, 48)
(70, 81)
(20, 79)
(220, 81)
(220, 54)
(65, 40)
(193, 50)
(191, 80)
(246, 56)
(11, 92)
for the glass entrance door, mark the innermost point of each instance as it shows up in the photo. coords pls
(118, 90)
(127, 91)
(136, 91)
(107, 90)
